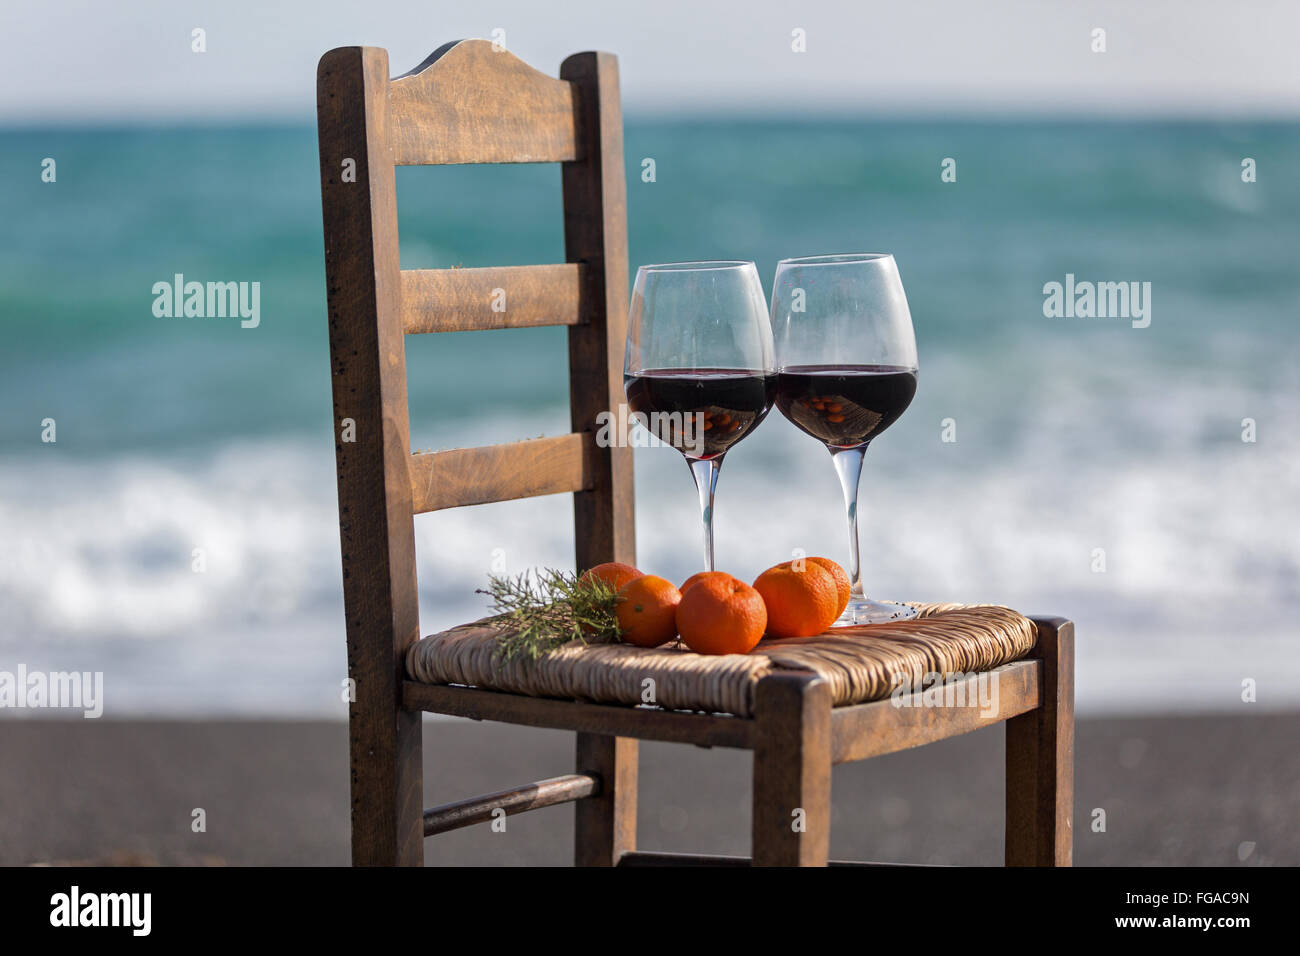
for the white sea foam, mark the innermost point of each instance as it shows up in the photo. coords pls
(1198, 528)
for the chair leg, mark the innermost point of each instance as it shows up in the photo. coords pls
(605, 825)
(387, 789)
(792, 771)
(1040, 759)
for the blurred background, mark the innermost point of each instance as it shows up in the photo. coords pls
(1072, 435)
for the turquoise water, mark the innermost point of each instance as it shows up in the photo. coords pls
(1072, 434)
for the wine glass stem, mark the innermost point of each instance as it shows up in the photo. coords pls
(848, 465)
(705, 473)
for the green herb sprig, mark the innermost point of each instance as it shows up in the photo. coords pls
(541, 610)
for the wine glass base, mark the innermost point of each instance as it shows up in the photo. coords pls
(867, 611)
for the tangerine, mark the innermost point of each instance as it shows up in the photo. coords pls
(721, 614)
(647, 611)
(614, 573)
(697, 577)
(799, 603)
(841, 581)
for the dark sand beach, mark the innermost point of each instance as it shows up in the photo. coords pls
(1213, 790)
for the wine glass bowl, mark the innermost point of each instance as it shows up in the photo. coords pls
(699, 370)
(847, 367)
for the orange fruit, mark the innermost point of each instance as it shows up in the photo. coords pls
(721, 615)
(614, 573)
(697, 577)
(647, 610)
(799, 603)
(841, 580)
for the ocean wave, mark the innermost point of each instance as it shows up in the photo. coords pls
(211, 583)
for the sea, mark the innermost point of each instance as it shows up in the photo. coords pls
(1140, 476)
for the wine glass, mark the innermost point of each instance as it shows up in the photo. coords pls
(846, 360)
(699, 370)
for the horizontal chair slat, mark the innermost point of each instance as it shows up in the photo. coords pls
(524, 469)
(652, 859)
(506, 297)
(532, 796)
(709, 730)
(887, 726)
(470, 103)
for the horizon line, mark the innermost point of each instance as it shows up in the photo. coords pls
(724, 115)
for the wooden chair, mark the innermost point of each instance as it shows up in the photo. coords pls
(468, 103)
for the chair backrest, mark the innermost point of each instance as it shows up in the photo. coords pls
(467, 103)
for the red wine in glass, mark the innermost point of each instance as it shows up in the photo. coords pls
(701, 412)
(700, 368)
(844, 406)
(846, 361)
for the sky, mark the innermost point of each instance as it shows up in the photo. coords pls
(93, 61)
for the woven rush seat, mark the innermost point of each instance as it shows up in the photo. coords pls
(860, 663)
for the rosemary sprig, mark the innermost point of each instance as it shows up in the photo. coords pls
(544, 609)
